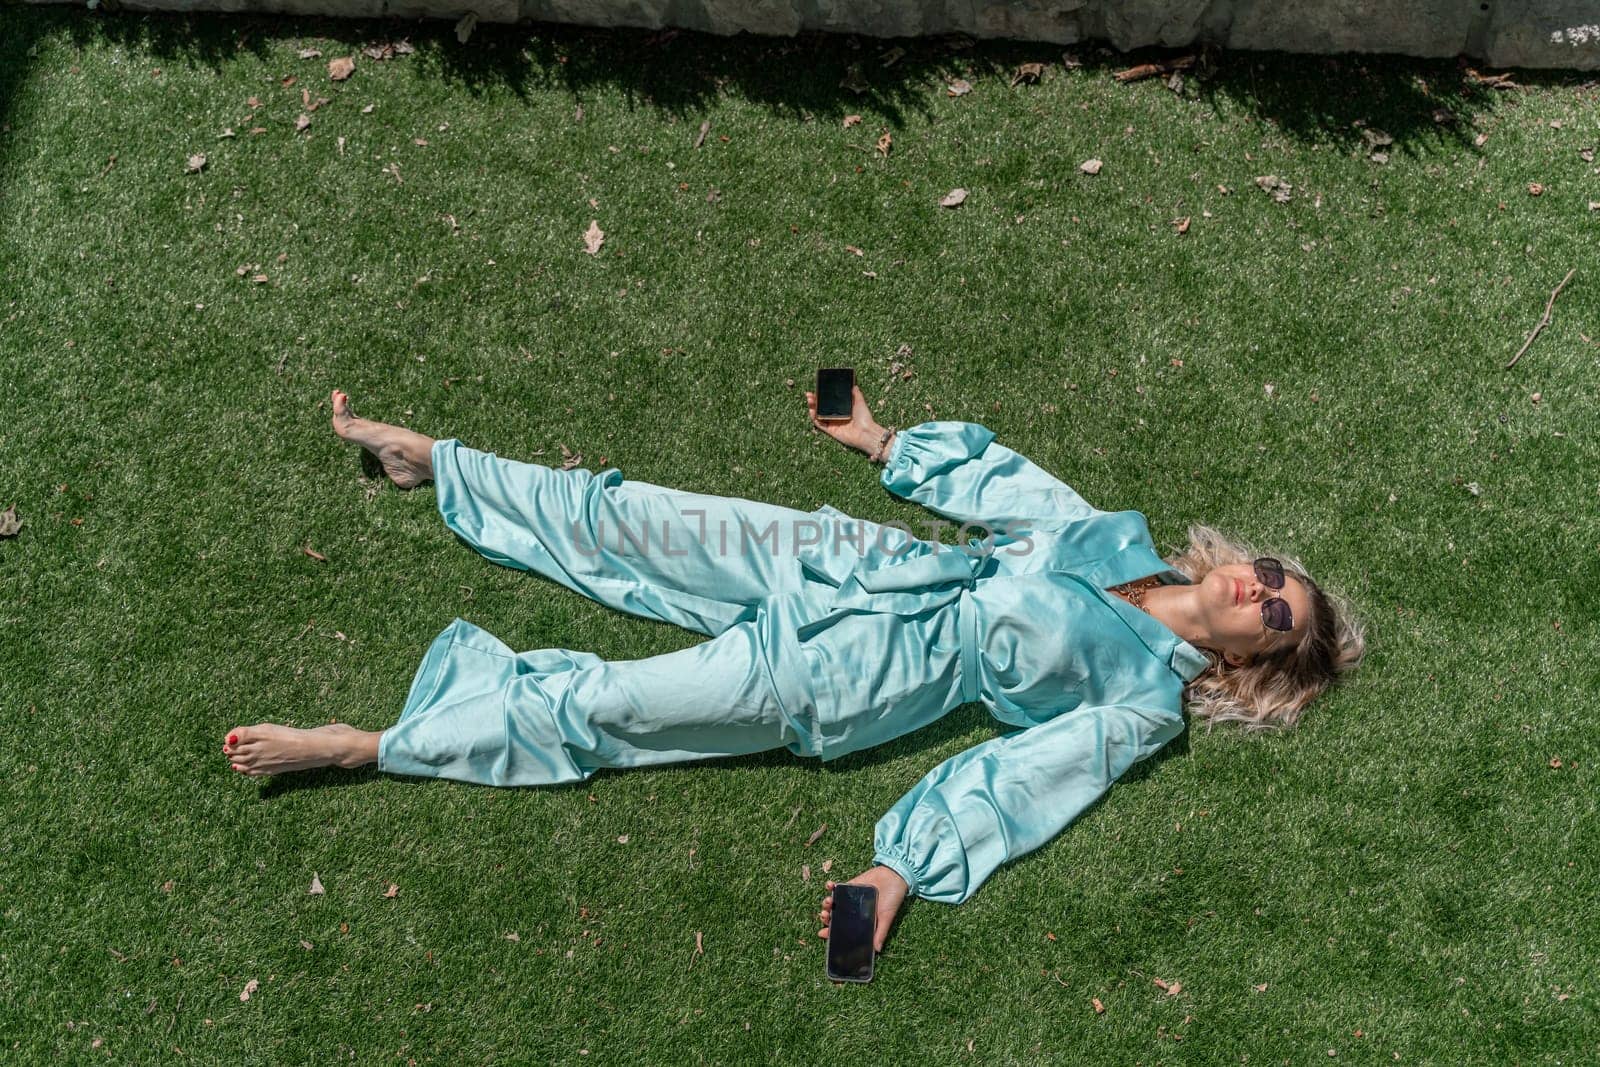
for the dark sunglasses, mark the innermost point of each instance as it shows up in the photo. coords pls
(1274, 610)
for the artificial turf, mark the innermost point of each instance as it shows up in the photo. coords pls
(1410, 876)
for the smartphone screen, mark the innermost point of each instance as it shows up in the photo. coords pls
(850, 932)
(835, 399)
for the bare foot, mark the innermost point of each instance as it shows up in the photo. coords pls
(267, 748)
(406, 456)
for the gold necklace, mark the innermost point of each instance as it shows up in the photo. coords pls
(1134, 592)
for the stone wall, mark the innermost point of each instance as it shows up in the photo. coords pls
(1500, 33)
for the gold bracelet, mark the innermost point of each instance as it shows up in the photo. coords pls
(881, 454)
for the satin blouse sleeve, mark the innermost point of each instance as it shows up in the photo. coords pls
(958, 470)
(1005, 797)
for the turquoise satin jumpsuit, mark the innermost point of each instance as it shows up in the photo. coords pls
(827, 635)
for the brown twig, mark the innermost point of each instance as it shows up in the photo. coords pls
(1493, 81)
(1544, 321)
(1150, 70)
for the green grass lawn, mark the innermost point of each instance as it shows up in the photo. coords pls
(1408, 877)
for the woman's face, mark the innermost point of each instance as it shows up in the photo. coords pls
(1231, 598)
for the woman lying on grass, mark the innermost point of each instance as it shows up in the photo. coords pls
(830, 635)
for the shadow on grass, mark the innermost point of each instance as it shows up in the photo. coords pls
(934, 736)
(681, 74)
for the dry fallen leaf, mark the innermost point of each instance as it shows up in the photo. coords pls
(316, 889)
(622, 839)
(392, 892)
(464, 28)
(1480, 140)
(959, 87)
(1182, 224)
(593, 237)
(805, 872)
(1028, 72)
(1262, 988)
(9, 523)
(885, 143)
(249, 987)
(314, 554)
(854, 249)
(1091, 166)
(954, 198)
(827, 865)
(569, 458)
(310, 53)
(301, 123)
(1099, 1008)
(1275, 185)
(197, 163)
(815, 834)
(341, 68)
(851, 120)
(1535, 189)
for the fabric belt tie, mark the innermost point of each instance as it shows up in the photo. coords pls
(919, 584)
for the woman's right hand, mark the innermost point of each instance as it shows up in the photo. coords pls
(861, 432)
(891, 895)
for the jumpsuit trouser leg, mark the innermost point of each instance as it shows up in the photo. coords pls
(479, 712)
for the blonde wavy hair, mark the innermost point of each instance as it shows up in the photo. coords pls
(1271, 691)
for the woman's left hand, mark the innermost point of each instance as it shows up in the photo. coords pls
(891, 894)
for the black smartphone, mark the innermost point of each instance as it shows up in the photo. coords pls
(851, 931)
(836, 392)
